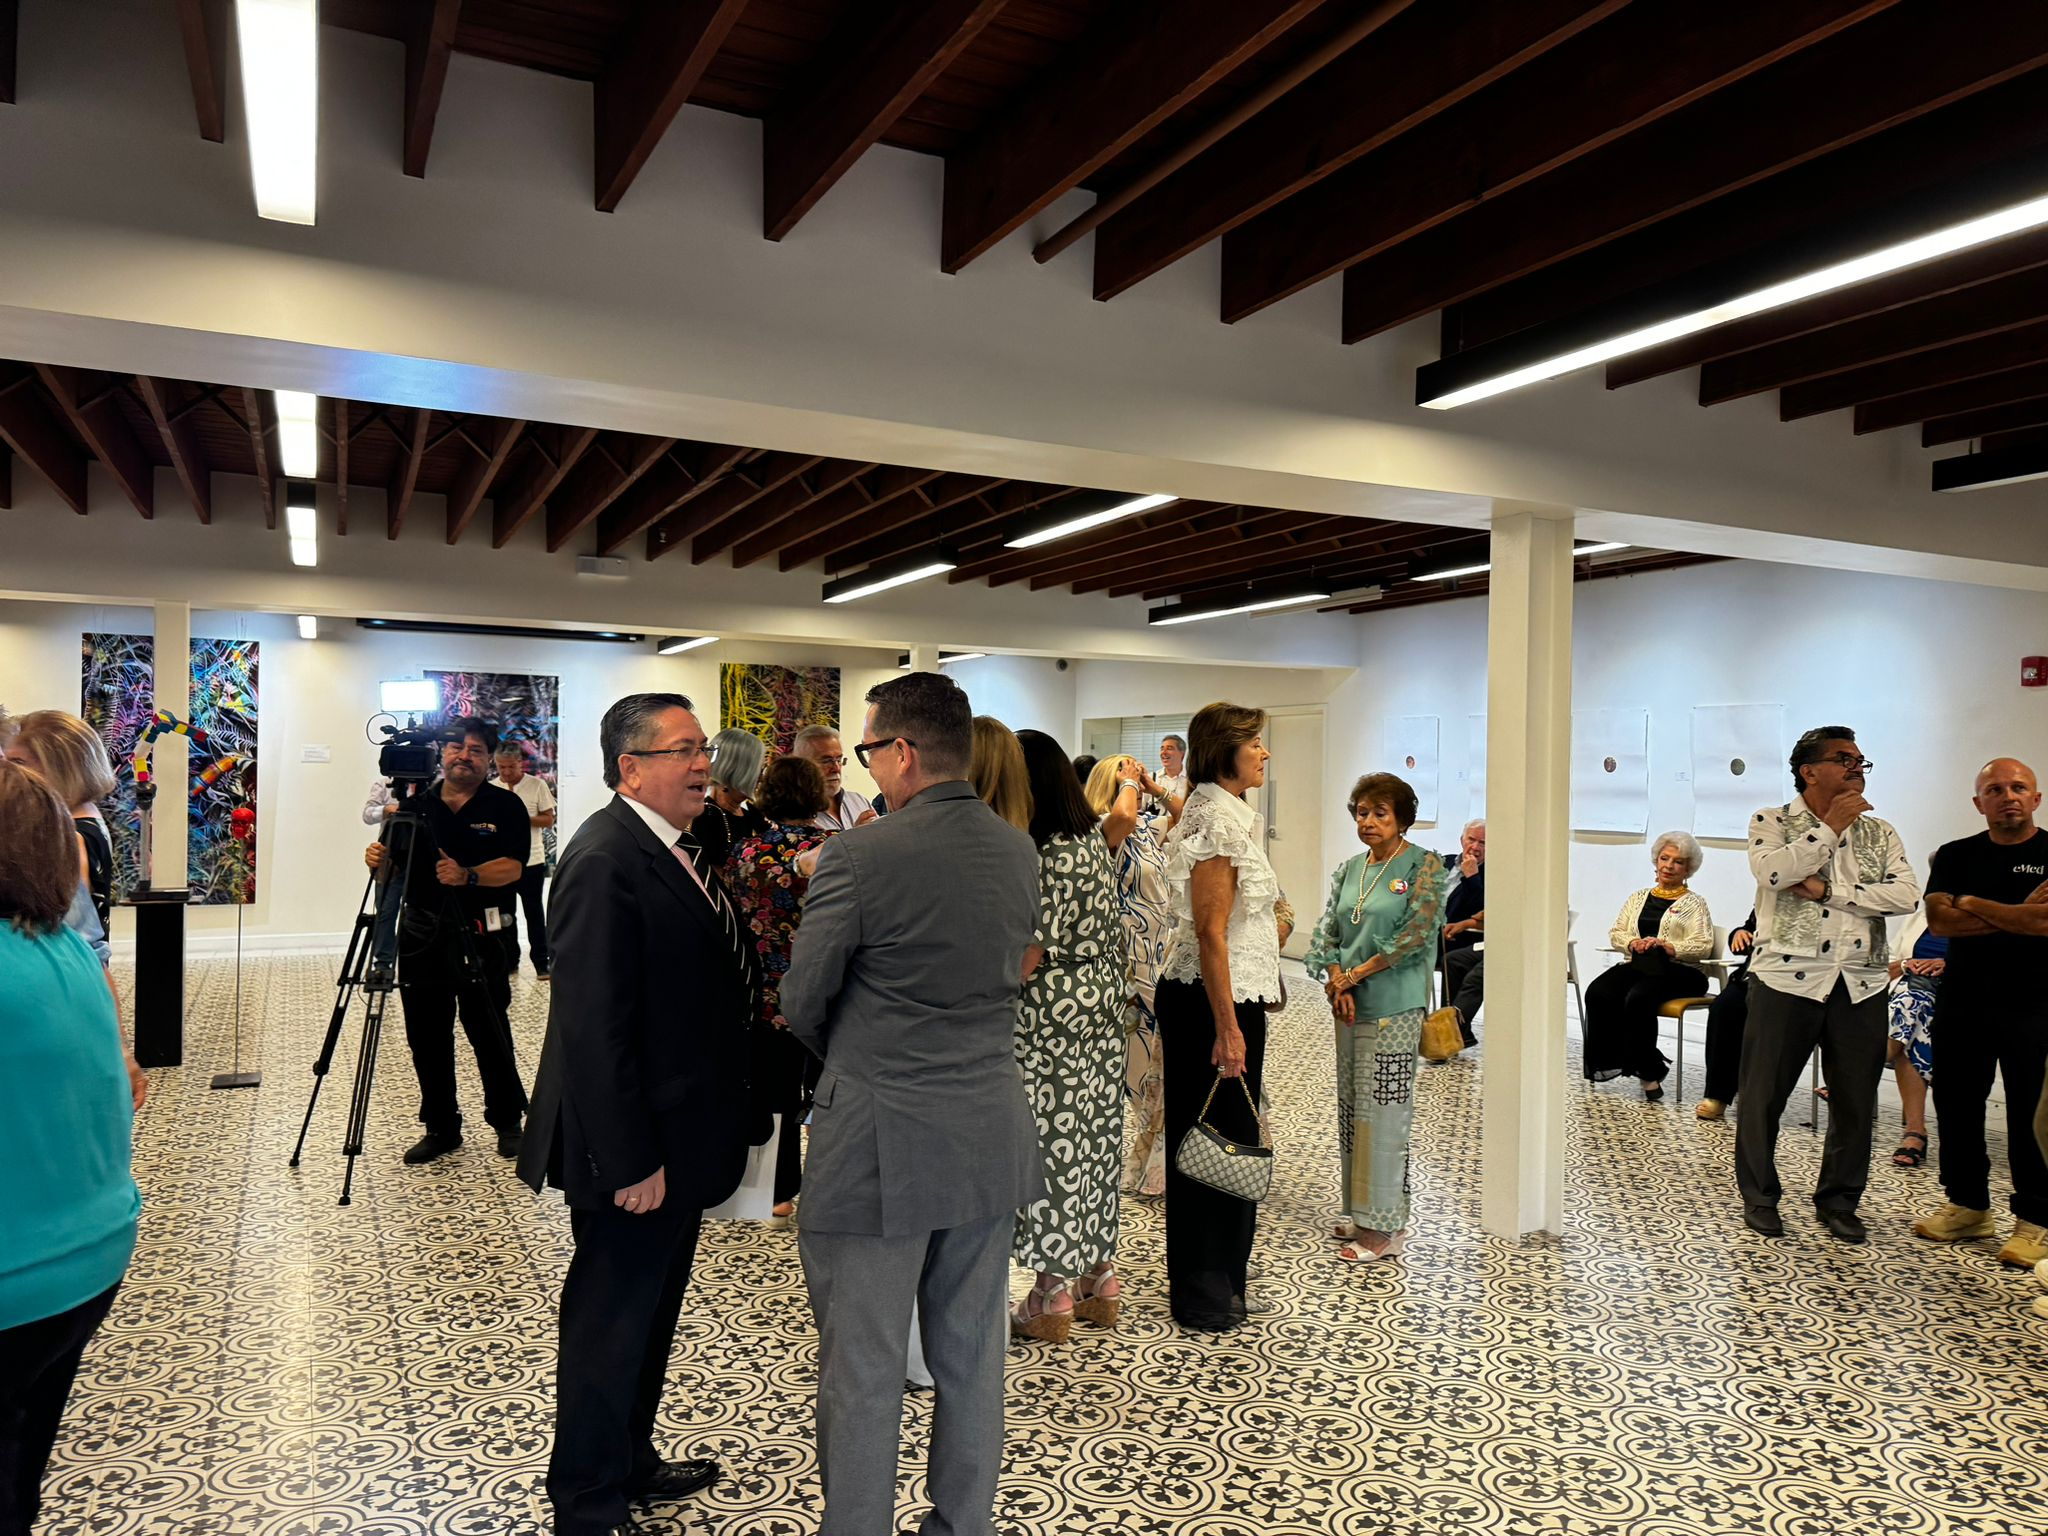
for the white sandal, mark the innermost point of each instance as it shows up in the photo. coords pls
(1356, 1252)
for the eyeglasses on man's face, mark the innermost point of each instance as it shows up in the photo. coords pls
(867, 749)
(1853, 762)
(688, 752)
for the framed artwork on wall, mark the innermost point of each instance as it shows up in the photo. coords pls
(774, 703)
(1611, 770)
(1738, 764)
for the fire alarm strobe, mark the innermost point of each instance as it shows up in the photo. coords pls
(2034, 671)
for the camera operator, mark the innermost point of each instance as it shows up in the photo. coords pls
(467, 858)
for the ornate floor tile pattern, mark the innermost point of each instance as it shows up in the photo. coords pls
(277, 1365)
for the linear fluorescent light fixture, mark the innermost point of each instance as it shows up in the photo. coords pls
(280, 46)
(1480, 568)
(946, 657)
(1946, 241)
(298, 436)
(1079, 514)
(675, 645)
(2001, 466)
(301, 524)
(513, 631)
(1598, 549)
(309, 627)
(893, 573)
(1230, 605)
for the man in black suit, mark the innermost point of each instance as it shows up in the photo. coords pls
(642, 1110)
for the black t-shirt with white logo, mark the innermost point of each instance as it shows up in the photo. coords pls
(492, 824)
(2001, 872)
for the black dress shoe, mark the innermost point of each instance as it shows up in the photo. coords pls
(1844, 1225)
(431, 1146)
(508, 1143)
(673, 1480)
(1763, 1219)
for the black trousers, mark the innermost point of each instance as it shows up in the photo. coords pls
(1208, 1233)
(38, 1362)
(620, 1303)
(532, 896)
(1726, 1020)
(1621, 1017)
(1465, 981)
(1779, 1040)
(1977, 1034)
(433, 989)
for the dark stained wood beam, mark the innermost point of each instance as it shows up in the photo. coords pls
(467, 494)
(896, 496)
(1998, 442)
(1907, 63)
(411, 428)
(713, 528)
(1254, 539)
(1309, 540)
(2010, 387)
(1140, 64)
(341, 442)
(1860, 301)
(1920, 372)
(1365, 560)
(204, 62)
(542, 469)
(6, 477)
(774, 517)
(429, 44)
(1420, 594)
(106, 432)
(1421, 62)
(891, 56)
(690, 470)
(181, 442)
(10, 31)
(665, 50)
(599, 480)
(1985, 310)
(1184, 525)
(1986, 423)
(259, 420)
(963, 521)
(38, 438)
(1996, 135)
(1654, 59)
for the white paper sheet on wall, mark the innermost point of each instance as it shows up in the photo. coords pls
(1410, 748)
(1611, 770)
(1738, 756)
(1475, 771)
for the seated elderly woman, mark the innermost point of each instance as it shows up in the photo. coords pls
(1662, 930)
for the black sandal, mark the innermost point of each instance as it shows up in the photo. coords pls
(1904, 1156)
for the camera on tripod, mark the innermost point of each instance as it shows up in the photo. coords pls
(410, 754)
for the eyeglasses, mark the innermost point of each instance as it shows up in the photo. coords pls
(695, 749)
(829, 762)
(866, 748)
(482, 754)
(1848, 760)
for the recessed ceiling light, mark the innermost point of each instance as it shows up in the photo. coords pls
(309, 627)
(280, 46)
(298, 436)
(1080, 514)
(894, 573)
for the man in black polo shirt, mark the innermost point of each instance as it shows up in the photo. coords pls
(1988, 895)
(464, 878)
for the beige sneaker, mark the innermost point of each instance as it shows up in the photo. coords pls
(2027, 1246)
(1955, 1224)
(1709, 1109)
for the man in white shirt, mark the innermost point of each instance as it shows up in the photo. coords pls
(844, 807)
(1173, 770)
(1828, 874)
(539, 801)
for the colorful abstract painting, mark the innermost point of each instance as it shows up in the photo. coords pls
(117, 699)
(773, 702)
(521, 706)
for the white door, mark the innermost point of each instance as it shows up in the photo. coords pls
(1292, 801)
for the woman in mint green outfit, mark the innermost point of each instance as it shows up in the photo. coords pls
(1375, 945)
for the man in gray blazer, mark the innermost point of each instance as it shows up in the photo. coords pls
(904, 979)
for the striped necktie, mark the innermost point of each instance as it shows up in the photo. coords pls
(691, 854)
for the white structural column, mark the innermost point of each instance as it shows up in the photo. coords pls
(169, 762)
(924, 658)
(1528, 832)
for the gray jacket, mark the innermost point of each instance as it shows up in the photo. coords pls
(904, 978)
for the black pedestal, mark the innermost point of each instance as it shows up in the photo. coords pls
(159, 977)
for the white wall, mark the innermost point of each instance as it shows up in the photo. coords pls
(1026, 693)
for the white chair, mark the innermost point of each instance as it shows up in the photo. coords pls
(1571, 962)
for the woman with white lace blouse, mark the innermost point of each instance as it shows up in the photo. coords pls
(1222, 968)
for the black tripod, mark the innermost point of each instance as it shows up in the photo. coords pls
(361, 971)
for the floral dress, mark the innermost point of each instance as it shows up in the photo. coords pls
(1070, 1044)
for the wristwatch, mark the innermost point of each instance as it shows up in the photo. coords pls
(471, 877)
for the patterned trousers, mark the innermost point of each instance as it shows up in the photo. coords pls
(1145, 1077)
(1375, 1115)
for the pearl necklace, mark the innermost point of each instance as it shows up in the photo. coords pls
(1379, 866)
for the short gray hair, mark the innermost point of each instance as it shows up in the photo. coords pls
(736, 759)
(1476, 821)
(1176, 740)
(1688, 849)
(629, 726)
(810, 733)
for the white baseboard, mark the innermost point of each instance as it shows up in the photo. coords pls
(206, 946)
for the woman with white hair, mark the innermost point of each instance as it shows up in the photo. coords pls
(1662, 930)
(729, 817)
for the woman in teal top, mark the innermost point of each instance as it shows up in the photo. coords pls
(68, 1203)
(1376, 945)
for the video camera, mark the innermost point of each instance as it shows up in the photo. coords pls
(411, 757)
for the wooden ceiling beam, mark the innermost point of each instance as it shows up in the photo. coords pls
(1905, 63)
(1183, 525)
(1369, 562)
(690, 470)
(205, 63)
(341, 442)
(1859, 301)
(259, 420)
(1370, 543)
(1655, 58)
(741, 487)
(542, 468)
(889, 59)
(1918, 373)
(36, 436)
(664, 52)
(961, 521)
(6, 477)
(1984, 310)
(2010, 387)
(1138, 66)
(1421, 61)
(898, 495)
(180, 441)
(429, 44)
(1986, 423)
(598, 481)
(1998, 442)
(412, 429)
(474, 481)
(772, 474)
(106, 432)
(1232, 547)
(776, 517)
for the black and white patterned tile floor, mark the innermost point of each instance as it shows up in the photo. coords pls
(280, 1366)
